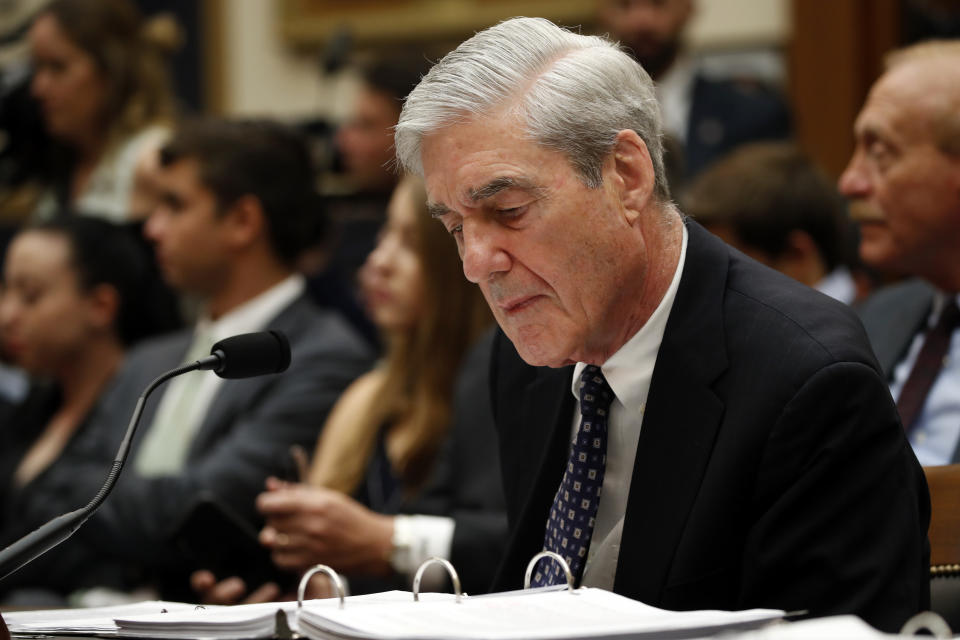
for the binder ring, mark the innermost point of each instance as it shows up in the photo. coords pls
(929, 621)
(554, 556)
(319, 568)
(446, 565)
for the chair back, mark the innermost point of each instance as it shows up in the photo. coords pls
(944, 484)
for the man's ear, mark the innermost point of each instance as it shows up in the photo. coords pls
(633, 172)
(245, 221)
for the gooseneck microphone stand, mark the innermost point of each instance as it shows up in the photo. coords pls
(39, 541)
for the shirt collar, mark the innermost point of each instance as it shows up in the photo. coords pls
(254, 314)
(630, 369)
(939, 302)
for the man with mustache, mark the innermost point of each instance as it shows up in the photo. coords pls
(903, 183)
(734, 444)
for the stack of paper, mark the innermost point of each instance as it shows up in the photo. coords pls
(534, 614)
(268, 620)
(95, 620)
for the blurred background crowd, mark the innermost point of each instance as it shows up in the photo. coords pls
(175, 171)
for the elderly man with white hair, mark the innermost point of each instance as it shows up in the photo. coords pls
(683, 425)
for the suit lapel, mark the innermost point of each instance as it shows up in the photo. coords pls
(680, 423)
(224, 407)
(543, 433)
(898, 330)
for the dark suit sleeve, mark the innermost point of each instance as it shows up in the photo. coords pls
(255, 444)
(245, 437)
(841, 506)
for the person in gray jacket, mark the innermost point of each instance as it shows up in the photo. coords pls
(235, 207)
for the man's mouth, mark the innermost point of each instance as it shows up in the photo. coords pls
(517, 304)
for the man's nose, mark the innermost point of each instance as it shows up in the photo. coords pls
(153, 227)
(483, 251)
(853, 182)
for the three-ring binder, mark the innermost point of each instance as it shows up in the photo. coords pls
(556, 557)
(454, 577)
(314, 570)
(418, 577)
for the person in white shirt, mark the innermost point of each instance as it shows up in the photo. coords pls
(102, 87)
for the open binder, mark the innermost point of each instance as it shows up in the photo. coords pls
(544, 613)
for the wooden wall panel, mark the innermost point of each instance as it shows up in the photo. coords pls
(835, 55)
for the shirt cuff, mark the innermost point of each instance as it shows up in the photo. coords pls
(418, 538)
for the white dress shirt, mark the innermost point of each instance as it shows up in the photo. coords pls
(839, 285)
(937, 432)
(675, 94)
(628, 372)
(164, 452)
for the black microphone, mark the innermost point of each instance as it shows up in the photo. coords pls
(242, 356)
(248, 355)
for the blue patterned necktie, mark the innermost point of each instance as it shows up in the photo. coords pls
(570, 525)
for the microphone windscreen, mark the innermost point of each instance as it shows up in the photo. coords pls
(252, 354)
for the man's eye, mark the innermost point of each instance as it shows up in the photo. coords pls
(512, 212)
(456, 230)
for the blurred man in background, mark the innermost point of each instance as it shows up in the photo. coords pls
(903, 183)
(705, 117)
(771, 202)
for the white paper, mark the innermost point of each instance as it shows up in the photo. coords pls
(246, 621)
(546, 615)
(90, 620)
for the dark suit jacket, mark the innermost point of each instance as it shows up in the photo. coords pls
(893, 316)
(466, 482)
(725, 114)
(245, 436)
(771, 469)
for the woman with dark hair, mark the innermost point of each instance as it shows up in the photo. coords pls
(77, 292)
(101, 83)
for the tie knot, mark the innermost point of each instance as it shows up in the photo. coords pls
(595, 394)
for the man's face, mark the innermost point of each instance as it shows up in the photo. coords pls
(366, 139)
(651, 29)
(550, 254)
(903, 190)
(188, 231)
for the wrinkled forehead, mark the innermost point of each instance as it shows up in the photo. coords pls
(477, 159)
(913, 96)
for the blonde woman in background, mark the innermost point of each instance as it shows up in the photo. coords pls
(102, 87)
(379, 445)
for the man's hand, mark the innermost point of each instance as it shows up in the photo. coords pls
(233, 590)
(310, 525)
(230, 590)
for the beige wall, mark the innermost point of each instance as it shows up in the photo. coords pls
(725, 23)
(262, 76)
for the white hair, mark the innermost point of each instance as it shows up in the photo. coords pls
(574, 93)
